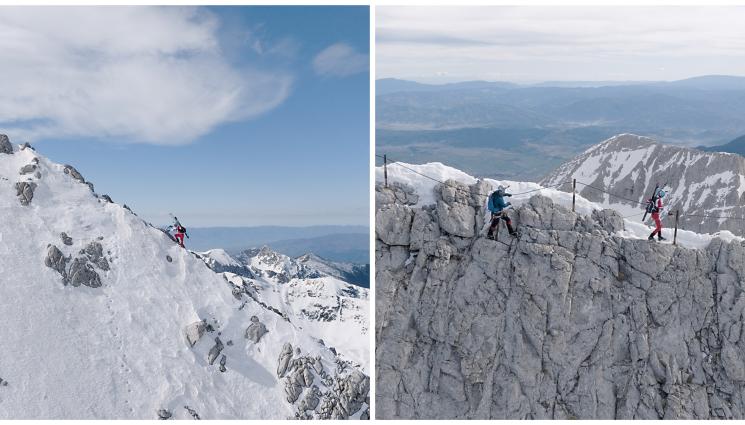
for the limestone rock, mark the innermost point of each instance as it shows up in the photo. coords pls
(65, 239)
(569, 321)
(94, 253)
(25, 192)
(5, 146)
(82, 273)
(393, 224)
(57, 261)
(28, 169)
(215, 351)
(194, 332)
(284, 359)
(69, 169)
(255, 330)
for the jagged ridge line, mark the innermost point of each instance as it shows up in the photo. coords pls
(557, 185)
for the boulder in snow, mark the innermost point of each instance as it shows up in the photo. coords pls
(94, 253)
(195, 331)
(284, 359)
(69, 169)
(28, 169)
(82, 273)
(215, 351)
(255, 330)
(57, 261)
(223, 360)
(65, 239)
(25, 192)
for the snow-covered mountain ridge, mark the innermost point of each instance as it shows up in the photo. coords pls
(104, 317)
(305, 291)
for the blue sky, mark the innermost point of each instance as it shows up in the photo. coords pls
(225, 116)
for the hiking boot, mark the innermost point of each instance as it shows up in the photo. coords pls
(651, 237)
(660, 238)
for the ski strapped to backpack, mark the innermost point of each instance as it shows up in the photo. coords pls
(651, 205)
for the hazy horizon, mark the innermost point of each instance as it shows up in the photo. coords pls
(557, 80)
(442, 44)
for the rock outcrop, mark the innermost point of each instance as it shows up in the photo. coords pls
(568, 321)
(82, 270)
(25, 192)
(255, 330)
(82, 273)
(194, 332)
(56, 260)
(28, 169)
(347, 392)
(215, 351)
(65, 238)
(5, 146)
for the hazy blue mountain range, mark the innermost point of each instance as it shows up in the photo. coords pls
(337, 243)
(504, 130)
(735, 146)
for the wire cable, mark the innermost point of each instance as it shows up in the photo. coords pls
(398, 163)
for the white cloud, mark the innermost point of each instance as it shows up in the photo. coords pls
(340, 60)
(560, 43)
(139, 74)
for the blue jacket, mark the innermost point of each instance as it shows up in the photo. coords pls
(497, 203)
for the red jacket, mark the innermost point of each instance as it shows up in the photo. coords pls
(659, 206)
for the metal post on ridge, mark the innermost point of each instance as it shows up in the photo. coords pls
(385, 169)
(574, 192)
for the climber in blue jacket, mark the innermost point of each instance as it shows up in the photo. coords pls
(497, 206)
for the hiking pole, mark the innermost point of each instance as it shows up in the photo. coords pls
(385, 169)
(574, 192)
(675, 233)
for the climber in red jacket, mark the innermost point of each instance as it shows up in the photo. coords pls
(656, 209)
(179, 230)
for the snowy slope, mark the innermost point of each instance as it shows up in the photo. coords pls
(358, 274)
(323, 305)
(119, 351)
(629, 166)
(424, 190)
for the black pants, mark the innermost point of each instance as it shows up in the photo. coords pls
(495, 217)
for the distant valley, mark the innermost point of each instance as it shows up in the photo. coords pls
(503, 130)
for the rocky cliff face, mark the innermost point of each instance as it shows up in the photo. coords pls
(566, 321)
(629, 166)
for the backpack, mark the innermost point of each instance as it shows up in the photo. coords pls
(651, 207)
(494, 196)
(181, 229)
